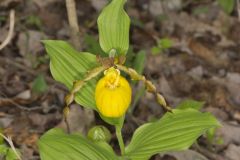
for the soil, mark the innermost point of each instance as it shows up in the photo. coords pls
(203, 63)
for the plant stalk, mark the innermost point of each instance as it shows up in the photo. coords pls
(73, 23)
(120, 139)
(11, 30)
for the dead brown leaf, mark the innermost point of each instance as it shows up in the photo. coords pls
(79, 119)
(206, 54)
(233, 152)
(230, 133)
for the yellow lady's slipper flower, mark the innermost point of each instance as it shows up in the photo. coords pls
(113, 94)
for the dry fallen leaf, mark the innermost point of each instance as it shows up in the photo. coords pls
(233, 152)
(187, 155)
(79, 119)
(230, 133)
(205, 53)
(30, 42)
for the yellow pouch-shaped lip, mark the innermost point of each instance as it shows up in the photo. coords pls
(113, 94)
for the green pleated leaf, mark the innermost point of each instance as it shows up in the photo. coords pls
(11, 155)
(68, 65)
(173, 132)
(3, 149)
(113, 26)
(56, 145)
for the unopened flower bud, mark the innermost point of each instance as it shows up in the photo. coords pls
(99, 133)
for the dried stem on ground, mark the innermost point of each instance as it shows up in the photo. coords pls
(73, 23)
(238, 9)
(11, 29)
(10, 142)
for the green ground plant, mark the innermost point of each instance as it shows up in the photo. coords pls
(97, 82)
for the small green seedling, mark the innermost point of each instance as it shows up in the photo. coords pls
(33, 20)
(161, 46)
(39, 84)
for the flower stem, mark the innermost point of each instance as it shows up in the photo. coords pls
(120, 139)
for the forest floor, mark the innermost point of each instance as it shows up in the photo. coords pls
(198, 58)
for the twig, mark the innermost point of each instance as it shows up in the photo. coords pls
(73, 22)
(11, 29)
(10, 142)
(238, 9)
(12, 101)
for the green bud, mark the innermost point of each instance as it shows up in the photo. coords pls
(99, 133)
